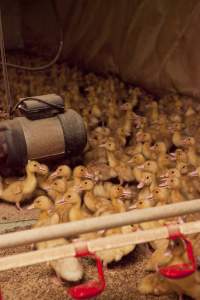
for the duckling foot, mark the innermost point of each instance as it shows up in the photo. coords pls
(180, 296)
(57, 280)
(18, 206)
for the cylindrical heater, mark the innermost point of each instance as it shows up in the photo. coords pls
(44, 131)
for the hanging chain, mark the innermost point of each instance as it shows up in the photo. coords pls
(4, 68)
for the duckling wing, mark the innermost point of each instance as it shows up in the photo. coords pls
(15, 188)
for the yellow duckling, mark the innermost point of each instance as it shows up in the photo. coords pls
(153, 284)
(150, 166)
(68, 269)
(47, 213)
(160, 195)
(189, 143)
(117, 193)
(76, 212)
(147, 180)
(62, 171)
(174, 185)
(22, 190)
(189, 285)
(56, 189)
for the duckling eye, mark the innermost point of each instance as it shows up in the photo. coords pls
(156, 192)
(68, 196)
(172, 172)
(55, 183)
(85, 182)
(35, 165)
(147, 177)
(148, 164)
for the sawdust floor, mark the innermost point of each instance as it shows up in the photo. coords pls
(35, 282)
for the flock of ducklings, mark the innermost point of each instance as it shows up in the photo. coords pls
(141, 152)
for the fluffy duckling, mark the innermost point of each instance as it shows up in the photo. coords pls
(68, 269)
(95, 203)
(160, 195)
(101, 172)
(189, 285)
(150, 166)
(22, 190)
(147, 180)
(56, 189)
(174, 185)
(117, 193)
(177, 138)
(47, 214)
(80, 172)
(76, 212)
(153, 284)
(124, 172)
(62, 171)
(193, 159)
(179, 156)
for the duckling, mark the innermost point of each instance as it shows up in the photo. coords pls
(56, 189)
(189, 285)
(177, 138)
(100, 172)
(145, 203)
(80, 172)
(116, 254)
(68, 269)
(47, 214)
(117, 193)
(153, 284)
(150, 166)
(180, 155)
(164, 162)
(147, 179)
(94, 203)
(174, 185)
(76, 212)
(193, 159)
(62, 171)
(160, 195)
(22, 190)
(124, 172)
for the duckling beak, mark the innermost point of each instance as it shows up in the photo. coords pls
(130, 160)
(102, 146)
(164, 176)
(163, 184)
(134, 206)
(62, 201)
(140, 185)
(140, 167)
(53, 175)
(31, 206)
(193, 174)
(88, 175)
(127, 193)
(172, 156)
(123, 106)
(184, 142)
(43, 168)
(150, 197)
